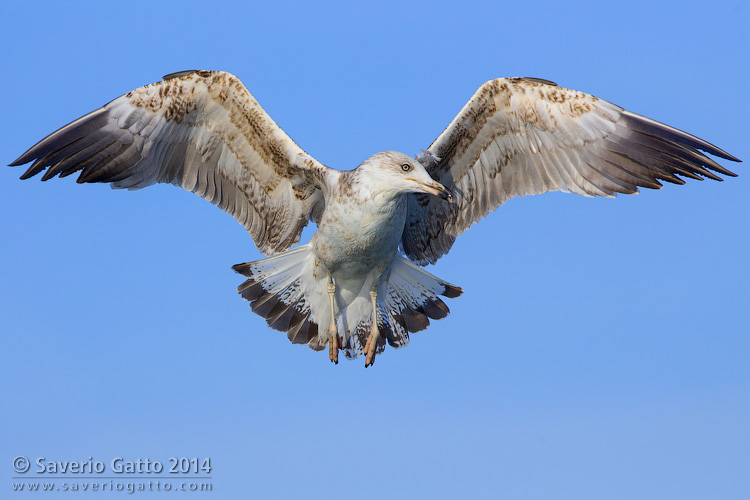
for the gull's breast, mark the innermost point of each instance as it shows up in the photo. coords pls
(355, 237)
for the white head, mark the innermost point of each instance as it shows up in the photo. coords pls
(399, 174)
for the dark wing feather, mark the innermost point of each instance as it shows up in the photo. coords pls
(202, 131)
(517, 137)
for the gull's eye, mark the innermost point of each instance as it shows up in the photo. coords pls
(405, 167)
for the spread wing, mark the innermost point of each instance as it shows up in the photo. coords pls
(517, 137)
(202, 131)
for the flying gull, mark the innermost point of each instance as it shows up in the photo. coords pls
(358, 283)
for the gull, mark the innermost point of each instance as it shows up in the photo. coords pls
(359, 283)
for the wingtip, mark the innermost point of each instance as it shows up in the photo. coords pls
(733, 158)
(30, 172)
(722, 154)
(653, 127)
(24, 158)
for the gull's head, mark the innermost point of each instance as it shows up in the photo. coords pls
(397, 173)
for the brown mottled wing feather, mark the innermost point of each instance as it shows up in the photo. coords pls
(517, 137)
(202, 131)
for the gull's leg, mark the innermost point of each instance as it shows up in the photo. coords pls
(333, 334)
(372, 340)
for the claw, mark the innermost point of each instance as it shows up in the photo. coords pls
(371, 347)
(333, 346)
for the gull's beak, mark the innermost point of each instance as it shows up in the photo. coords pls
(434, 188)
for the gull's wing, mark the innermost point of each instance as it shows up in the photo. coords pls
(202, 131)
(520, 136)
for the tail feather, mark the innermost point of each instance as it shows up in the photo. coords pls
(407, 301)
(305, 332)
(285, 290)
(414, 295)
(283, 316)
(275, 291)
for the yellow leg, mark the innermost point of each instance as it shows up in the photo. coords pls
(333, 334)
(372, 340)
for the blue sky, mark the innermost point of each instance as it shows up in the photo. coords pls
(600, 349)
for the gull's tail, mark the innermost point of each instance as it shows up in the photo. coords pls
(407, 302)
(286, 290)
(276, 290)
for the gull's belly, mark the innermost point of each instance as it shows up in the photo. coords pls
(353, 239)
